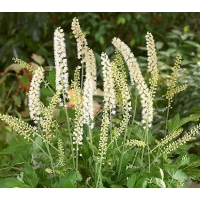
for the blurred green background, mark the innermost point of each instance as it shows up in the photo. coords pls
(25, 34)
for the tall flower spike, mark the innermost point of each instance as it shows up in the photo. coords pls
(89, 87)
(88, 60)
(78, 121)
(60, 57)
(34, 103)
(122, 94)
(109, 92)
(21, 127)
(152, 63)
(136, 76)
(47, 123)
(80, 38)
(171, 85)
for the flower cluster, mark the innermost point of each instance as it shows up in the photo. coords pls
(46, 120)
(87, 58)
(171, 85)
(61, 153)
(104, 135)
(122, 94)
(189, 136)
(60, 63)
(34, 103)
(109, 92)
(170, 137)
(133, 143)
(136, 76)
(78, 121)
(24, 64)
(109, 104)
(152, 63)
(80, 37)
(21, 127)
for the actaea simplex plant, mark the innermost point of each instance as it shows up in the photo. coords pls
(119, 152)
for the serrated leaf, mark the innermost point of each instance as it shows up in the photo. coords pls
(131, 181)
(180, 175)
(67, 181)
(37, 143)
(141, 183)
(193, 117)
(51, 78)
(46, 92)
(192, 43)
(174, 123)
(159, 45)
(12, 183)
(159, 182)
(30, 175)
(15, 147)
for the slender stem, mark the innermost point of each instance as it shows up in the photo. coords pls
(135, 156)
(122, 154)
(146, 140)
(77, 157)
(135, 108)
(82, 75)
(69, 129)
(168, 107)
(90, 138)
(50, 156)
(40, 147)
(110, 128)
(99, 172)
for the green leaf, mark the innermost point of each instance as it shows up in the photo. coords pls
(12, 183)
(51, 78)
(174, 123)
(68, 180)
(37, 143)
(193, 117)
(30, 175)
(142, 183)
(121, 20)
(180, 175)
(132, 180)
(157, 172)
(159, 182)
(192, 43)
(159, 45)
(46, 92)
(15, 147)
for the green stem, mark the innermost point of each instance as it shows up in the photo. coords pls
(122, 154)
(168, 106)
(135, 108)
(110, 129)
(40, 147)
(82, 74)
(70, 136)
(99, 172)
(50, 156)
(77, 157)
(146, 140)
(90, 139)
